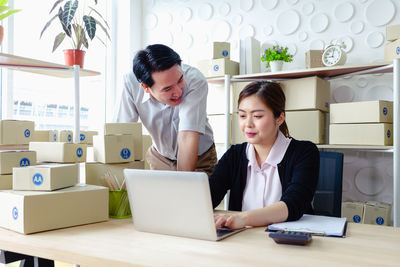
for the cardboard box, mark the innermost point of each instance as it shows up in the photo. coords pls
(95, 172)
(380, 134)
(45, 177)
(392, 51)
(86, 137)
(6, 181)
(392, 32)
(114, 148)
(218, 125)
(353, 211)
(133, 128)
(307, 125)
(314, 59)
(147, 143)
(16, 132)
(33, 211)
(377, 213)
(362, 112)
(45, 136)
(59, 152)
(65, 136)
(236, 134)
(306, 94)
(10, 159)
(221, 50)
(218, 67)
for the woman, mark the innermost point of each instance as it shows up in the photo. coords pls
(272, 178)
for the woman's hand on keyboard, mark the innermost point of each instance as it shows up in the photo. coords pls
(231, 220)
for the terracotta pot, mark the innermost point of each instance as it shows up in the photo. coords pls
(74, 57)
(1, 34)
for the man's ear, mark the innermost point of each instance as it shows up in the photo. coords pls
(145, 88)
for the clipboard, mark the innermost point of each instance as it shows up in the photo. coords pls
(314, 224)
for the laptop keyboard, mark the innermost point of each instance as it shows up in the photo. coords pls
(223, 231)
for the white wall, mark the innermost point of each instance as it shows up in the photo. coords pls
(189, 26)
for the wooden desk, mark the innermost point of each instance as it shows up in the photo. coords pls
(116, 243)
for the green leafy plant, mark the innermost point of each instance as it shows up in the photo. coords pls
(6, 11)
(79, 29)
(276, 53)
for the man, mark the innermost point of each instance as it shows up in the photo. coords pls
(169, 98)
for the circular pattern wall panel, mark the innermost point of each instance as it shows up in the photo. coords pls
(319, 22)
(246, 30)
(237, 19)
(362, 82)
(221, 31)
(165, 18)
(375, 39)
(378, 92)
(308, 9)
(317, 44)
(224, 9)
(268, 30)
(343, 94)
(269, 4)
(288, 26)
(205, 11)
(369, 181)
(344, 11)
(379, 12)
(348, 41)
(186, 14)
(292, 2)
(246, 5)
(151, 21)
(356, 27)
(302, 36)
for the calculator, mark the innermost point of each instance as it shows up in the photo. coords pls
(291, 237)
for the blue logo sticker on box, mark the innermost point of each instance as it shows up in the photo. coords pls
(356, 218)
(37, 179)
(24, 162)
(82, 137)
(398, 50)
(79, 152)
(125, 153)
(27, 133)
(55, 137)
(225, 53)
(388, 133)
(216, 68)
(15, 213)
(384, 111)
(69, 138)
(379, 220)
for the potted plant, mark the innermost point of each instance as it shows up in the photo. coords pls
(79, 28)
(5, 11)
(275, 57)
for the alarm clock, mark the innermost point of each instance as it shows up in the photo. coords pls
(334, 55)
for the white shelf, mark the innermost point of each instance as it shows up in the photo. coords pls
(323, 72)
(358, 147)
(51, 69)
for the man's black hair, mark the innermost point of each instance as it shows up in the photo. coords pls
(153, 58)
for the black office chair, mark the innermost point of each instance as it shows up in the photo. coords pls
(328, 196)
(26, 261)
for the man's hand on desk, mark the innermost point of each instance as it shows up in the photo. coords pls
(233, 220)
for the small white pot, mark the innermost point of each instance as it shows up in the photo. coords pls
(276, 65)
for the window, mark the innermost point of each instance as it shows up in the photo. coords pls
(49, 100)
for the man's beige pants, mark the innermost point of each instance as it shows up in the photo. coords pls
(205, 162)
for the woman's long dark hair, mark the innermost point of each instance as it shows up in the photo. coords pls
(271, 94)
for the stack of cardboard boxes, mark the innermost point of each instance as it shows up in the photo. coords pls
(86, 137)
(307, 102)
(220, 64)
(120, 147)
(370, 212)
(392, 49)
(361, 123)
(45, 197)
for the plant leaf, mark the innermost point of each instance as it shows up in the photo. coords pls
(67, 30)
(55, 5)
(3, 2)
(69, 12)
(48, 24)
(9, 13)
(90, 25)
(104, 29)
(59, 38)
(95, 1)
(4, 8)
(98, 14)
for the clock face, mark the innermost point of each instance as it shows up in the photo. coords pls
(332, 56)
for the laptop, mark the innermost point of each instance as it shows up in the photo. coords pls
(173, 203)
